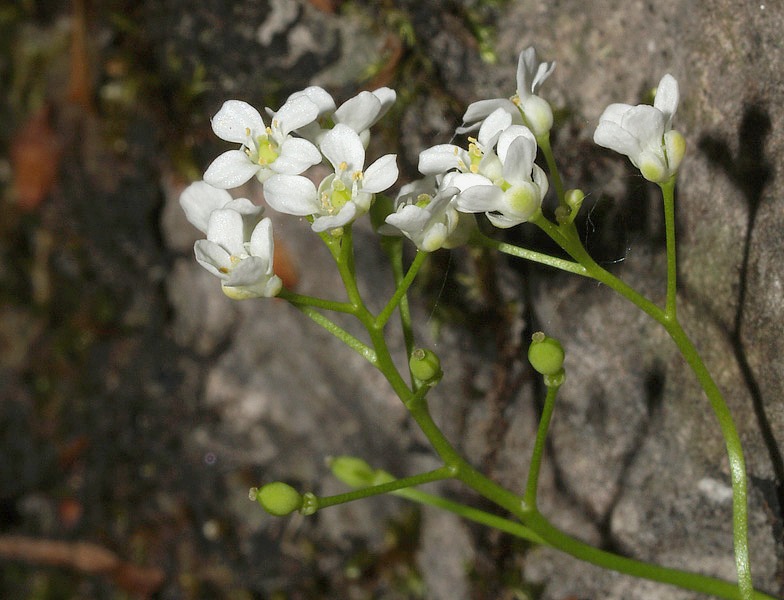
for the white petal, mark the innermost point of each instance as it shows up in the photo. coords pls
(387, 97)
(342, 145)
(199, 199)
(613, 136)
(292, 194)
(296, 155)
(244, 206)
(496, 122)
(465, 181)
(479, 198)
(442, 158)
(519, 160)
(479, 110)
(294, 114)
(227, 230)
(381, 174)
(646, 123)
(319, 96)
(344, 217)
(261, 242)
(231, 169)
(212, 257)
(503, 221)
(667, 97)
(236, 120)
(359, 112)
(409, 218)
(512, 134)
(248, 272)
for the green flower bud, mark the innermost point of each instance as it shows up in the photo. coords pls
(279, 499)
(352, 471)
(545, 354)
(574, 199)
(425, 365)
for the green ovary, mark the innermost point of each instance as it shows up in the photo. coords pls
(267, 151)
(339, 196)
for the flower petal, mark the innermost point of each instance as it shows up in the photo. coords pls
(199, 199)
(495, 123)
(667, 98)
(231, 169)
(479, 198)
(319, 96)
(296, 155)
(512, 134)
(227, 230)
(236, 121)
(519, 160)
(359, 112)
(294, 114)
(342, 145)
(477, 111)
(381, 174)
(292, 195)
(261, 242)
(344, 217)
(212, 257)
(442, 158)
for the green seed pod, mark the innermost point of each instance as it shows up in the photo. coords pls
(425, 365)
(352, 471)
(545, 354)
(279, 499)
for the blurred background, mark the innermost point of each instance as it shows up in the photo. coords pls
(138, 404)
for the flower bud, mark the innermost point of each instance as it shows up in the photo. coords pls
(352, 471)
(279, 499)
(425, 365)
(545, 354)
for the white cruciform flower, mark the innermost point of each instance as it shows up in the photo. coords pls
(242, 260)
(199, 199)
(526, 107)
(427, 216)
(343, 195)
(264, 150)
(480, 156)
(514, 197)
(360, 112)
(644, 133)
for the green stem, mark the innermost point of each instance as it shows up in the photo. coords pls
(344, 336)
(544, 145)
(385, 488)
(302, 300)
(539, 445)
(538, 257)
(472, 514)
(668, 193)
(683, 579)
(394, 249)
(402, 289)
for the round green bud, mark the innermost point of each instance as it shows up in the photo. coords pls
(574, 198)
(545, 354)
(352, 471)
(279, 499)
(425, 365)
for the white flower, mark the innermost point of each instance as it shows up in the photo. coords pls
(525, 106)
(264, 150)
(427, 216)
(479, 158)
(343, 195)
(514, 197)
(241, 259)
(199, 199)
(644, 133)
(360, 112)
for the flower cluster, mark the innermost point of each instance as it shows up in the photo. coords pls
(494, 173)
